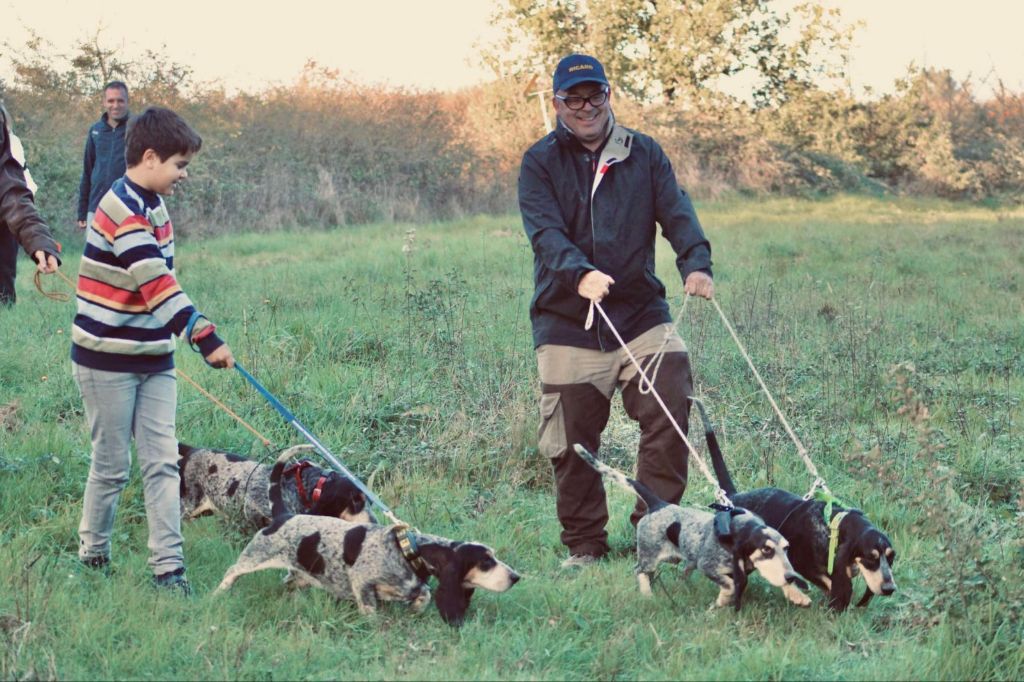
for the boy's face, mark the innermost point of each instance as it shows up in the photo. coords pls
(163, 177)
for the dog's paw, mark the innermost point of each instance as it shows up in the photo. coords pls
(422, 601)
(725, 598)
(644, 582)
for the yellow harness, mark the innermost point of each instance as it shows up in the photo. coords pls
(833, 538)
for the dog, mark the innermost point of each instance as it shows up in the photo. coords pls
(726, 547)
(862, 548)
(213, 481)
(364, 562)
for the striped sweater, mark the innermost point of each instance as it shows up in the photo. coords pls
(130, 306)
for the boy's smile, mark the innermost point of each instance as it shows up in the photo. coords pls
(159, 176)
(167, 174)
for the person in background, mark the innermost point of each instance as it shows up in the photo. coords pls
(591, 193)
(20, 222)
(103, 160)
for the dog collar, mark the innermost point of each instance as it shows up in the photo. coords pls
(833, 539)
(723, 520)
(411, 553)
(318, 489)
(307, 500)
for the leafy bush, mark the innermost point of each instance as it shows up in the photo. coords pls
(327, 151)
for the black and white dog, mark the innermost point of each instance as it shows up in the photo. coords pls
(364, 562)
(862, 548)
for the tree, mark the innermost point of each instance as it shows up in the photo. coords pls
(679, 51)
(41, 69)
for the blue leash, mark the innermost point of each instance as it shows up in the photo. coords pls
(294, 423)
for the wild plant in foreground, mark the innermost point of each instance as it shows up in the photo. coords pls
(970, 541)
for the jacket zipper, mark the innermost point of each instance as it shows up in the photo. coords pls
(593, 160)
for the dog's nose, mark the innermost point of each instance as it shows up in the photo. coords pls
(888, 588)
(514, 578)
(793, 578)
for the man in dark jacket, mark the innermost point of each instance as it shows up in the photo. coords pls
(590, 193)
(19, 220)
(103, 161)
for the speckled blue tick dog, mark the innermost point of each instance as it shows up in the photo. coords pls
(363, 562)
(215, 481)
(689, 536)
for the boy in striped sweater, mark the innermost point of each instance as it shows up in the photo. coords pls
(130, 307)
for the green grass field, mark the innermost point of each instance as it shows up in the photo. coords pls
(890, 332)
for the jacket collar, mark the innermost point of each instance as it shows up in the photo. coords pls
(615, 150)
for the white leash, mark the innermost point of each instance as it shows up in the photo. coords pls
(819, 482)
(719, 493)
(656, 359)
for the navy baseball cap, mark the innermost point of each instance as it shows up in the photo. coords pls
(575, 69)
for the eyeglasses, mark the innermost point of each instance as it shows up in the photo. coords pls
(576, 102)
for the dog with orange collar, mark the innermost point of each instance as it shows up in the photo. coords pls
(214, 481)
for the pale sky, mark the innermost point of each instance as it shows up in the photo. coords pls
(429, 44)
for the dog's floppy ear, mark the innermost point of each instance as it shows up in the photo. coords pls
(841, 591)
(739, 545)
(451, 598)
(739, 577)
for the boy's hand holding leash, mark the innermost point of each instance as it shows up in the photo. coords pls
(221, 357)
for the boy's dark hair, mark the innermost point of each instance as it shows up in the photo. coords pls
(161, 130)
(116, 84)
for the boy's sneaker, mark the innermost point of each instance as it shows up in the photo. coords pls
(100, 563)
(174, 581)
(580, 560)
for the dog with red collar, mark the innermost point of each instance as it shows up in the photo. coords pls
(214, 481)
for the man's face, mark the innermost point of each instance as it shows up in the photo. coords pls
(590, 123)
(115, 102)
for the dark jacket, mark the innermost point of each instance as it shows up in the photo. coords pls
(17, 208)
(638, 189)
(103, 163)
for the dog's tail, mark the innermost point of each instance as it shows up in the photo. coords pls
(652, 501)
(277, 507)
(717, 460)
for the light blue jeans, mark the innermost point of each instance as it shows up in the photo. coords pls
(118, 407)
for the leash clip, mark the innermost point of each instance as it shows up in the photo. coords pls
(819, 483)
(723, 500)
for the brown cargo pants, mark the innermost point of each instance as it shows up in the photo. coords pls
(577, 386)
